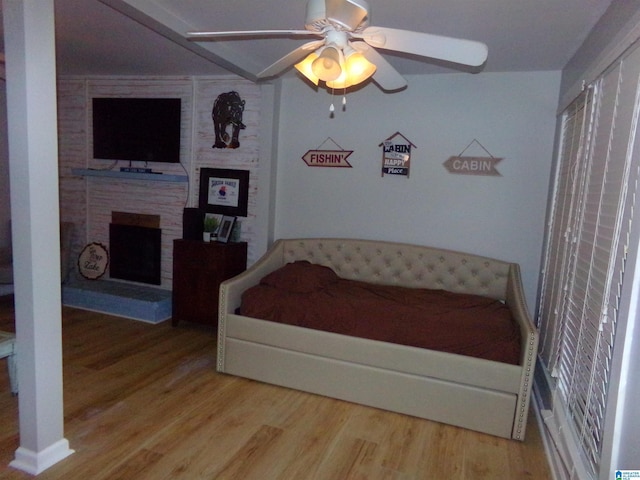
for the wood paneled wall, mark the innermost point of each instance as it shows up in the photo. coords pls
(88, 202)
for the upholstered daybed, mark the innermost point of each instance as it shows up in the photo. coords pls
(483, 395)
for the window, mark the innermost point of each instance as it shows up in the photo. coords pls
(588, 236)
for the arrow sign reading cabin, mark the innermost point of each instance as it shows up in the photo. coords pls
(473, 165)
(467, 165)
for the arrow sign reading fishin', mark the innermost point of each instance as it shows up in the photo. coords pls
(327, 158)
(473, 166)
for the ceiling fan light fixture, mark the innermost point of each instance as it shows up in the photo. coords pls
(327, 66)
(355, 69)
(342, 82)
(304, 67)
(358, 68)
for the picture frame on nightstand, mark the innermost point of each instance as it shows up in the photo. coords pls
(225, 229)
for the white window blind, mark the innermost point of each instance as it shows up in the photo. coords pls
(588, 236)
(561, 227)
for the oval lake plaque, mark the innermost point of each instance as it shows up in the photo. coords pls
(93, 261)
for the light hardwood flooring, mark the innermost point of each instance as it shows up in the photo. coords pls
(145, 402)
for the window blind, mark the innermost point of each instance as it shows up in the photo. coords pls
(560, 231)
(588, 236)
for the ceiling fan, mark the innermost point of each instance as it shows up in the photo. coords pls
(346, 52)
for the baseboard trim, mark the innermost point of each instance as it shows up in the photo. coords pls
(37, 462)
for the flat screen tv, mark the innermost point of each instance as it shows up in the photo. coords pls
(136, 129)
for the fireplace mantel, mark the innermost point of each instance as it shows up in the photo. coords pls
(147, 177)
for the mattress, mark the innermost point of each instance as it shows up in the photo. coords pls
(314, 296)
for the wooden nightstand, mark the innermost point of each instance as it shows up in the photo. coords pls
(198, 270)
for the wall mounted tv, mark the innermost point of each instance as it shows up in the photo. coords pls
(136, 129)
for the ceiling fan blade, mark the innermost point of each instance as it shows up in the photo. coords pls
(385, 75)
(290, 59)
(457, 50)
(203, 36)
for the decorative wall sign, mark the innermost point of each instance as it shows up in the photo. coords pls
(396, 155)
(93, 261)
(227, 113)
(224, 191)
(467, 165)
(328, 158)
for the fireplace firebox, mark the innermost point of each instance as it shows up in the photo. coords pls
(135, 253)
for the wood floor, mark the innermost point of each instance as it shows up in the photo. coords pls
(145, 402)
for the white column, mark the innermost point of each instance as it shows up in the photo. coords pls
(33, 173)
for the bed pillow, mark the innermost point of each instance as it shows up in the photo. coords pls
(300, 277)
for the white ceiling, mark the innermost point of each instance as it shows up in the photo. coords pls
(94, 37)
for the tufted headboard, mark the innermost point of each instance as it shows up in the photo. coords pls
(402, 264)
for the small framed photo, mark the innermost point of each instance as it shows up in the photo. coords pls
(224, 191)
(226, 227)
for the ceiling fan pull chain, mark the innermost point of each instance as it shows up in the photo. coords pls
(332, 108)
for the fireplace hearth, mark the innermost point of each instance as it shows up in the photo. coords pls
(134, 247)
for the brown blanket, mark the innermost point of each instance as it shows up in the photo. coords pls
(313, 296)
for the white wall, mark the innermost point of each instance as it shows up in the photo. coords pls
(511, 114)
